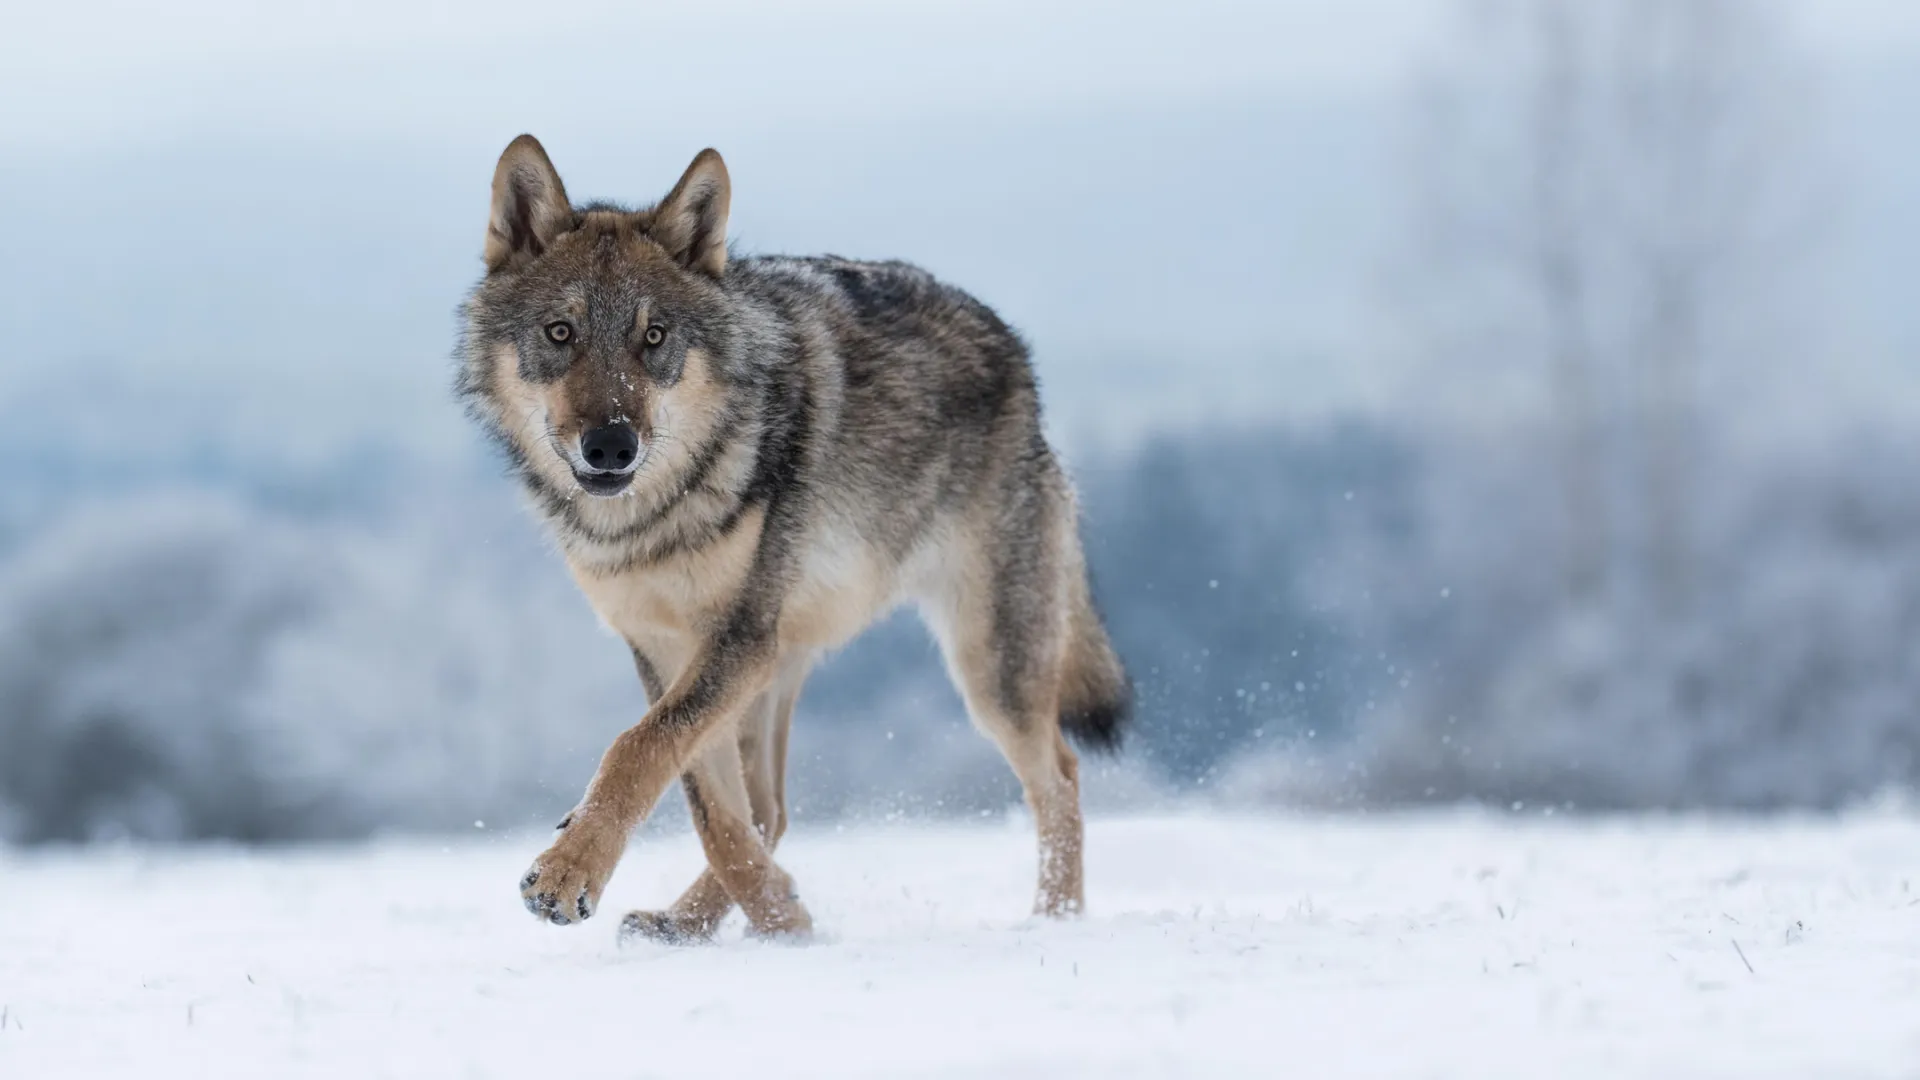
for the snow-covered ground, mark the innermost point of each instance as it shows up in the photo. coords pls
(1454, 945)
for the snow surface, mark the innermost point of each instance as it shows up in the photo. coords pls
(1440, 945)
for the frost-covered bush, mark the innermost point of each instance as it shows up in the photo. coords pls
(1350, 616)
(1788, 675)
(191, 667)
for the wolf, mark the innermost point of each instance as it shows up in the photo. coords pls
(745, 461)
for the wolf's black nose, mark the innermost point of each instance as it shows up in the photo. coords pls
(611, 448)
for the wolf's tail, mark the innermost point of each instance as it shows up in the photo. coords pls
(1096, 696)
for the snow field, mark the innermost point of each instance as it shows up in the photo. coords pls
(1433, 945)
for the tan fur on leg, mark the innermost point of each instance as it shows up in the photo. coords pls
(736, 852)
(1050, 775)
(1021, 715)
(697, 913)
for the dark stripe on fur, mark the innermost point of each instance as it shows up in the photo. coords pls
(696, 800)
(649, 675)
(687, 538)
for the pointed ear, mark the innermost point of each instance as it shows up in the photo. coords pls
(691, 222)
(530, 206)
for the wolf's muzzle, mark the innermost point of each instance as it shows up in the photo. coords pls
(611, 452)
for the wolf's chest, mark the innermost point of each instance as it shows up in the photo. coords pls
(685, 595)
(838, 585)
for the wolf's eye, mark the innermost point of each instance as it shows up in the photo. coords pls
(559, 333)
(654, 335)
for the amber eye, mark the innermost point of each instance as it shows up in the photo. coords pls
(559, 333)
(655, 335)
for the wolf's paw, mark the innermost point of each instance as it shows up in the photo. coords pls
(565, 882)
(784, 919)
(666, 928)
(1059, 906)
(792, 926)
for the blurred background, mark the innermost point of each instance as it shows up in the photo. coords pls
(1512, 401)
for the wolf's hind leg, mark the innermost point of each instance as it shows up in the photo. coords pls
(1000, 628)
(1049, 774)
(763, 753)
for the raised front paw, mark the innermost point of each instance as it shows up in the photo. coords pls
(564, 884)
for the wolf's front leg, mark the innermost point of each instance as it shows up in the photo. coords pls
(762, 761)
(565, 882)
(739, 854)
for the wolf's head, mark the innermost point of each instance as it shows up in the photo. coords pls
(599, 334)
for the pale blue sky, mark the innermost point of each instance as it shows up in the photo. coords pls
(93, 73)
(269, 211)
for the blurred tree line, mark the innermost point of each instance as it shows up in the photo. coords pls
(1616, 548)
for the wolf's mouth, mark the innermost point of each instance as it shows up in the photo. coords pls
(603, 485)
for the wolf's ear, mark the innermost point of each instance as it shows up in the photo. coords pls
(530, 206)
(691, 222)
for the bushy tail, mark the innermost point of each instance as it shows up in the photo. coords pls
(1096, 696)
